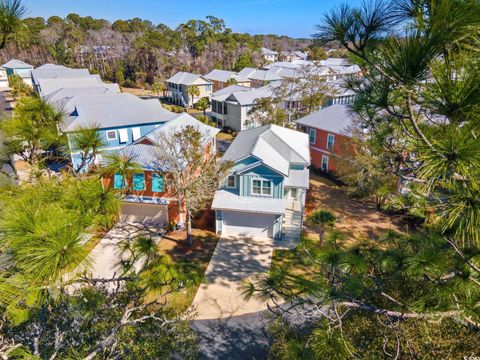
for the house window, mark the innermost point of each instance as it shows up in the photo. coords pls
(294, 193)
(118, 182)
(123, 135)
(136, 133)
(139, 181)
(111, 135)
(313, 136)
(330, 141)
(231, 181)
(324, 166)
(157, 183)
(262, 187)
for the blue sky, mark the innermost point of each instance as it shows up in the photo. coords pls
(283, 17)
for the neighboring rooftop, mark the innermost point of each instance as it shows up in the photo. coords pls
(224, 93)
(121, 111)
(266, 51)
(337, 118)
(16, 64)
(248, 97)
(221, 75)
(335, 62)
(185, 78)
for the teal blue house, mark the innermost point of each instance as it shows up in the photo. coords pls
(264, 192)
(121, 119)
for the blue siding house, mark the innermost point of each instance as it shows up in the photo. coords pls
(121, 119)
(264, 192)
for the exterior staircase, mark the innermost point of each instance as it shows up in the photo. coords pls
(291, 229)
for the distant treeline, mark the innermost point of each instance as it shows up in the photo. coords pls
(138, 52)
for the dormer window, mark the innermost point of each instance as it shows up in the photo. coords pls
(231, 181)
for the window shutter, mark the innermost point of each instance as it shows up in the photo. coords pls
(117, 181)
(138, 181)
(157, 183)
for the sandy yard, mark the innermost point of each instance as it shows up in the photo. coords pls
(357, 218)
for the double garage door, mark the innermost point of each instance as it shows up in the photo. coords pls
(246, 224)
(150, 213)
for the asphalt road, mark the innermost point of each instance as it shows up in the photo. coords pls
(236, 338)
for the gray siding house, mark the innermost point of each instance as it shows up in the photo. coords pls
(264, 193)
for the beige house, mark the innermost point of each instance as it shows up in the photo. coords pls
(179, 84)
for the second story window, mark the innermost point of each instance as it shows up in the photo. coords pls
(313, 136)
(231, 181)
(330, 141)
(262, 187)
(111, 135)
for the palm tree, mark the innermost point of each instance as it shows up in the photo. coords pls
(121, 164)
(87, 142)
(32, 129)
(193, 91)
(158, 88)
(322, 220)
(11, 12)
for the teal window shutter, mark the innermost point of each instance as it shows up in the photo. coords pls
(138, 181)
(117, 181)
(157, 183)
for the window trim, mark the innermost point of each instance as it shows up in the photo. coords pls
(314, 132)
(111, 131)
(333, 142)
(234, 182)
(262, 180)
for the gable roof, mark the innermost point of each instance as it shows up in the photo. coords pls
(50, 66)
(264, 75)
(178, 123)
(248, 97)
(336, 118)
(16, 64)
(117, 111)
(221, 75)
(275, 146)
(266, 51)
(70, 103)
(69, 92)
(185, 78)
(51, 71)
(50, 85)
(144, 154)
(224, 93)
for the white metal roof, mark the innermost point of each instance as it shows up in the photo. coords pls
(185, 78)
(221, 75)
(16, 64)
(274, 145)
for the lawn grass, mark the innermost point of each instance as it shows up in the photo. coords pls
(224, 136)
(191, 261)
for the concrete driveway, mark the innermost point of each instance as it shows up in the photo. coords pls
(106, 255)
(235, 260)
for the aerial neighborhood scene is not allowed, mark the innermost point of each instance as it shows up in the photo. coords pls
(191, 190)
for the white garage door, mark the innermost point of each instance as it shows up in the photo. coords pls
(246, 224)
(157, 214)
